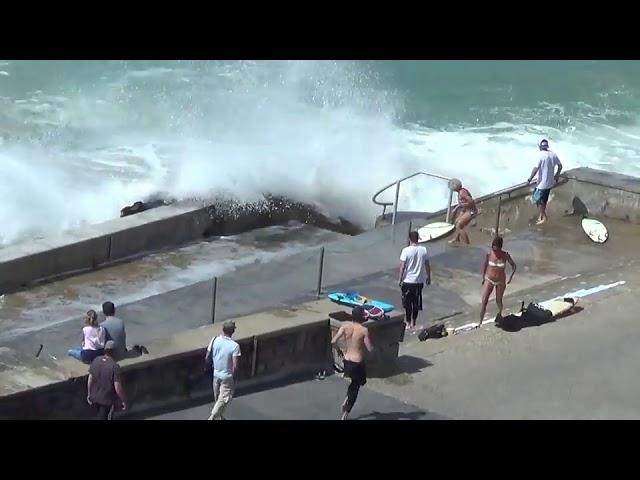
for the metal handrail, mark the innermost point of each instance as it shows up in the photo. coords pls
(397, 183)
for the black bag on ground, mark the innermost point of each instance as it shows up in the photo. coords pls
(510, 323)
(536, 315)
(434, 331)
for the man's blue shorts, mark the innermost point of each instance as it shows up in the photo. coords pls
(541, 196)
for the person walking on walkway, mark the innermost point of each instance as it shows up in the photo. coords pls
(223, 354)
(104, 388)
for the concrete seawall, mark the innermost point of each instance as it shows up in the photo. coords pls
(172, 373)
(581, 190)
(275, 346)
(599, 193)
(125, 238)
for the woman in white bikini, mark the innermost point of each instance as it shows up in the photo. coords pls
(494, 275)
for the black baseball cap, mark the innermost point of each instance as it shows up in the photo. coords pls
(358, 314)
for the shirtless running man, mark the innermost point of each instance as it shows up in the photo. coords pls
(356, 338)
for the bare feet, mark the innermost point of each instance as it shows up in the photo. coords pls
(540, 221)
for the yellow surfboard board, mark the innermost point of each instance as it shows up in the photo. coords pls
(557, 307)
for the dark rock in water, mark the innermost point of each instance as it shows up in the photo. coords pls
(138, 207)
(231, 218)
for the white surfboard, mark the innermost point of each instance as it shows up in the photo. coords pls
(595, 230)
(434, 231)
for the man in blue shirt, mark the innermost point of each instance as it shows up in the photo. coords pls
(547, 163)
(224, 355)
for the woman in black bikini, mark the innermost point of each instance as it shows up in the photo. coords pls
(494, 275)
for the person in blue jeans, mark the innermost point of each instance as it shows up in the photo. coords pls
(93, 340)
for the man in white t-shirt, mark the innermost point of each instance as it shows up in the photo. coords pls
(224, 355)
(415, 271)
(547, 163)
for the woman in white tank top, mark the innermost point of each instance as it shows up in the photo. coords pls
(93, 340)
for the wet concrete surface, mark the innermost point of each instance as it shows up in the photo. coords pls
(467, 375)
(51, 314)
(367, 264)
(576, 367)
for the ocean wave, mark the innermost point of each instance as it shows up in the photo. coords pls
(79, 140)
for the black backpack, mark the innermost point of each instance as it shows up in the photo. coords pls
(536, 315)
(434, 331)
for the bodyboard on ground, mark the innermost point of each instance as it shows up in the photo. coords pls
(433, 231)
(354, 299)
(595, 230)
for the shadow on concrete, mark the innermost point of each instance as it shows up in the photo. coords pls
(403, 364)
(512, 324)
(416, 415)
(206, 398)
(579, 208)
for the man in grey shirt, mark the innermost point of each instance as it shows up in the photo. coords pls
(115, 330)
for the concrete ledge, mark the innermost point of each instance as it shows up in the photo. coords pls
(606, 194)
(275, 345)
(580, 191)
(130, 237)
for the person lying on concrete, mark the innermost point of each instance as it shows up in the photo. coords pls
(494, 275)
(93, 340)
(115, 329)
(415, 271)
(464, 211)
(223, 354)
(104, 388)
(547, 162)
(358, 343)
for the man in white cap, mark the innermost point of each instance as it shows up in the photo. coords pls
(547, 161)
(224, 355)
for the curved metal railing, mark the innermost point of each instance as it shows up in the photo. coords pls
(397, 183)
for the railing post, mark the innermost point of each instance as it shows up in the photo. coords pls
(320, 268)
(449, 205)
(254, 357)
(395, 204)
(498, 216)
(213, 299)
(409, 232)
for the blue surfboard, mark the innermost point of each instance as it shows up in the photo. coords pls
(354, 299)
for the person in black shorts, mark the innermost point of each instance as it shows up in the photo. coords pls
(415, 271)
(356, 338)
